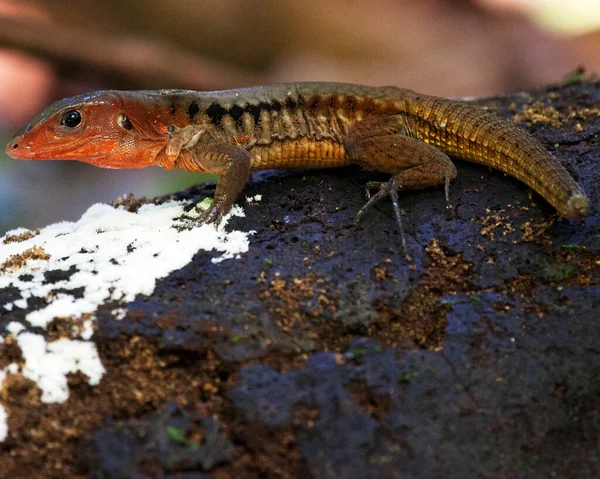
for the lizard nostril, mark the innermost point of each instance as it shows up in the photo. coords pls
(16, 145)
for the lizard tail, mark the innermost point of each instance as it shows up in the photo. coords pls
(469, 133)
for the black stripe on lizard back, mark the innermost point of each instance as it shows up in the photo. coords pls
(290, 103)
(236, 112)
(193, 110)
(216, 112)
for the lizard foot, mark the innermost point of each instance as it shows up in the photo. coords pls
(388, 188)
(214, 214)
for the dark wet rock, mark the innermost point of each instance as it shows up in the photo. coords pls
(169, 441)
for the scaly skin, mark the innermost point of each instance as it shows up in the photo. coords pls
(295, 125)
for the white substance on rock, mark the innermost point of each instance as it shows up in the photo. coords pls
(87, 329)
(49, 363)
(251, 199)
(14, 328)
(19, 303)
(3, 424)
(108, 255)
(119, 313)
(112, 250)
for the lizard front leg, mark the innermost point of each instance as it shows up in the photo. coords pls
(232, 164)
(193, 148)
(380, 143)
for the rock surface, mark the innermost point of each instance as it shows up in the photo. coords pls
(323, 352)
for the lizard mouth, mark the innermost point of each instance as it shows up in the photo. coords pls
(20, 149)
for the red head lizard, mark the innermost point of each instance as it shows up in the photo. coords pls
(296, 125)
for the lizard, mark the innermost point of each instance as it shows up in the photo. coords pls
(392, 130)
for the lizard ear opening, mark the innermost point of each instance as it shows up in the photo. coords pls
(124, 122)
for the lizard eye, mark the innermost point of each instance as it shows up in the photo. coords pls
(71, 119)
(124, 122)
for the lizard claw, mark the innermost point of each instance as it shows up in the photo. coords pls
(373, 185)
(384, 190)
(389, 188)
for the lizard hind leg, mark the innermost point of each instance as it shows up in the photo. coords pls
(412, 163)
(389, 188)
(414, 178)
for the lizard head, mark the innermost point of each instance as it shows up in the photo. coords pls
(108, 129)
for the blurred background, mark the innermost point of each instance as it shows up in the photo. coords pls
(53, 49)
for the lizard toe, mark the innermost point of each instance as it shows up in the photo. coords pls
(384, 190)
